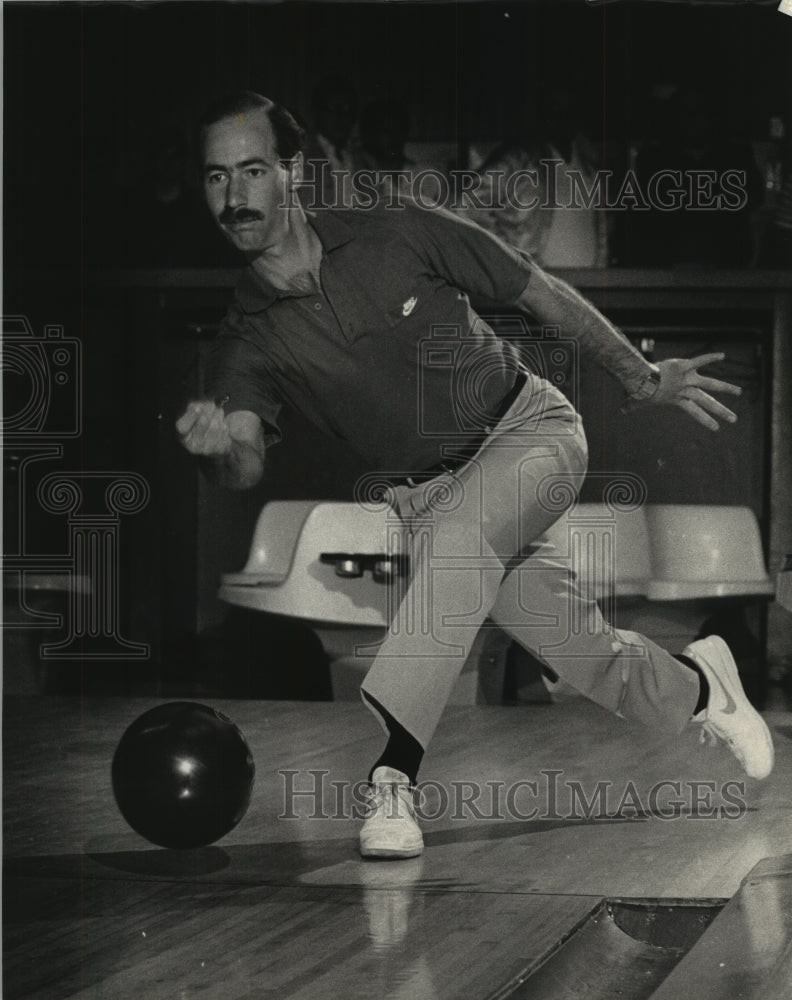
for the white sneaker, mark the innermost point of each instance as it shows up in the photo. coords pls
(729, 716)
(391, 829)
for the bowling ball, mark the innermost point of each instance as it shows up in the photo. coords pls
(182, 775)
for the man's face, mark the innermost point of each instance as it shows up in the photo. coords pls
(246, 188)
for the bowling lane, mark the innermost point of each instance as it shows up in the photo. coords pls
(69, 938)
(58, 753)
(61, 819)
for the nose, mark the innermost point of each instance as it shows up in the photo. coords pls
(236, 193)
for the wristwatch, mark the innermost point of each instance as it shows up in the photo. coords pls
(649, 384)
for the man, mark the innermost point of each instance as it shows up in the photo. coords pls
(338, 315)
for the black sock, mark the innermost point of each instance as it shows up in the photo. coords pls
(704, 689)
(402, 751)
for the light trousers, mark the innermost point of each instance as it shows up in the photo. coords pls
(476, 550)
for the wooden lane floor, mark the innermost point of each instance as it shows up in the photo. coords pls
(109, 939)
(284, 907)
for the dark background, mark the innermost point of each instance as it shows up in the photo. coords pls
(93, 93)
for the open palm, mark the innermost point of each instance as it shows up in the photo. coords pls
(681, 384)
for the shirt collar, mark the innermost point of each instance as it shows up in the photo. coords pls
(333, 231)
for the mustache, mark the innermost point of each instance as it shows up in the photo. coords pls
(231, 216)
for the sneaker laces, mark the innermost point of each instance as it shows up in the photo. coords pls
(709, 736)
(390, 793)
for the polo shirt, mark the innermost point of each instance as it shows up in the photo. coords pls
(389, 356)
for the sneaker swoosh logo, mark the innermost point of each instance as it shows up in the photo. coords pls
(731, 707)
(409, 305)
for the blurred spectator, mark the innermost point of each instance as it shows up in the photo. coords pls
(694, 140)
(774, 222)
(777, 251)
(384, 131)
(330, 153)
(534, 184)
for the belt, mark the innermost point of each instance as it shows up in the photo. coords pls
(465, 452)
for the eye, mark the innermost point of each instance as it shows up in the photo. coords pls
(215, 178)
(255, 172)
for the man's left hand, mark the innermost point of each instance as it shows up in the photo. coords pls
(683, 386)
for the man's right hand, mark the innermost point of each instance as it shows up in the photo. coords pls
(231, 446)
(203, 430)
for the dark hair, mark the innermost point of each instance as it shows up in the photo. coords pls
(288, 133)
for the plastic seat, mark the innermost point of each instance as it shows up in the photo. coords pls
(286, 574)
(705, 551)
